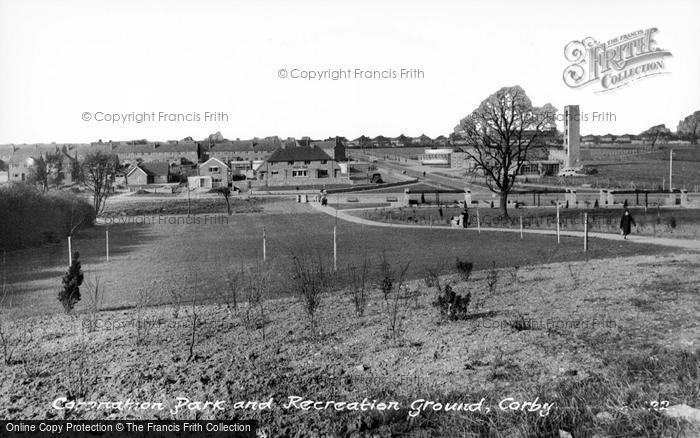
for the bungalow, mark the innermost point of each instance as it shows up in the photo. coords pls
(441, 140)
(380, 142)
(148, 173)
(401, 141)
(217, 170)
(302, 166)
(589, 139)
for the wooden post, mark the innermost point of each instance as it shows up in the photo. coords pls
(107, 242)
(478, 220)
(585, 232)
(558, 225)
(70, 253)
(521, 226)
(264, 245)
(335, 249)
(670, 172)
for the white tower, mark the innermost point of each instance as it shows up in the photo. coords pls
(572, 136)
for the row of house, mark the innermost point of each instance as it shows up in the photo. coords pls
(16, 163)
(294, 164)
(402, 140)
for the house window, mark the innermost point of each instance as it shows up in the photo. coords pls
(274, 173)
(307, 162)
(300, 173)
(322, 173)
(213, 170)
(324, 161)
(291, 163)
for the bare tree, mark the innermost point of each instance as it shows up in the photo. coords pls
(98, 170)
(54, 168)
(226, 193)
(501, 134)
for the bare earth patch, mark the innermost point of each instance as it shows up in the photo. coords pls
(603, 340)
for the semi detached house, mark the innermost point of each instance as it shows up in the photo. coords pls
(304, 165)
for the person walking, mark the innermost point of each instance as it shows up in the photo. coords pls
(626, 222)
(465, 217)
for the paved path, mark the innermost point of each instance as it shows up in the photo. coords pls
(690, 244)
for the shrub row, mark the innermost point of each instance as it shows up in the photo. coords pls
(30, 218)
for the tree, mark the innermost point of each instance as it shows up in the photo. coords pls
(76, 171)
(73, 278)
(656, 132)
(690, 127)
(38, 173)
(226, 193)
(98, 171)
(501, 135)
(54, 168)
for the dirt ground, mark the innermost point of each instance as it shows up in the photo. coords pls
(600, 339)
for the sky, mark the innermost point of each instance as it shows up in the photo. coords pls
(63, 62)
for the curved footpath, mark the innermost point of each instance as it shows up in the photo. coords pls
(690, 244)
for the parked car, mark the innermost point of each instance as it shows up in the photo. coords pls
(568, 172)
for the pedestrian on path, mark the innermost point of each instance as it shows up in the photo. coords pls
(626, 222)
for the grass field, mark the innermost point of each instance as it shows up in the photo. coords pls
(158, 253)
(679, 223)
(644, 171)
(610, 346)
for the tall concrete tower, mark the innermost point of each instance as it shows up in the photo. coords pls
(572, 136)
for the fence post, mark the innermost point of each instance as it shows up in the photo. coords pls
(478, 221)
(585, 232)
(335, 250)
(107, 242)
(264, 245)
(558, 226)
(521, 226)
(70, 252)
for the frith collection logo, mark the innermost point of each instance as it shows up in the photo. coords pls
(615, 63)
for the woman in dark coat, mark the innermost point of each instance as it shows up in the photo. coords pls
(626, 223)
(465, 218)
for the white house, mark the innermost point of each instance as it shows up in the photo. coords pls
(217, 170)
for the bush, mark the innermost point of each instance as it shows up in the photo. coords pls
(310, 282)
(671, 222)
(70, 294)
(464, 269)
(30, 218)
(452, 305)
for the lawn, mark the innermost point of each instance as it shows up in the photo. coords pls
(158, 253)
(644, 171)
(660, 222)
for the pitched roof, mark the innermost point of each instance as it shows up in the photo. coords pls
(138, 147)
(299, 153)
(153, 168)
(214, 159)
(243, 146)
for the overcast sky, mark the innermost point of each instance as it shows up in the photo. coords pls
(59, 59)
